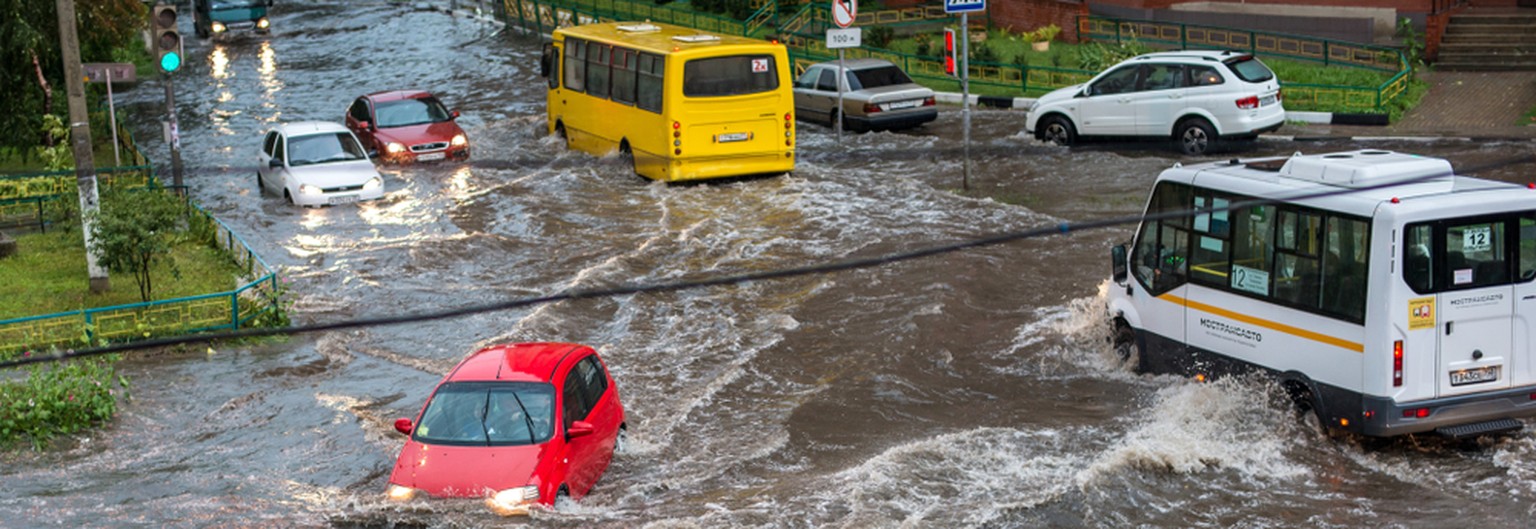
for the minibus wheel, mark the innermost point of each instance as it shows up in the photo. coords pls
(560, 131)
(1305, 403)
(628, 155)
(1124, 343)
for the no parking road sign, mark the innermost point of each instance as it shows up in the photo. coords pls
(844, 12)
(964, 6)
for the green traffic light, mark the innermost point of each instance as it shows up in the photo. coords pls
(170, 61)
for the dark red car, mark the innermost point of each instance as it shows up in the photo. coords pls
(518, 425)
(406, 126)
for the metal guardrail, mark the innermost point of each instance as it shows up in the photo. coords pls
(225, 310)
(801, 32)
(1296, 47)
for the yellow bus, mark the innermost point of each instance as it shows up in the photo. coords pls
(679, 103)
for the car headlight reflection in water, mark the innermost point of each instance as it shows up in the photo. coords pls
(513, 501)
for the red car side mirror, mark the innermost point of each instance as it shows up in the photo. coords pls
(454, 113)
(404, 426)
(578, 429)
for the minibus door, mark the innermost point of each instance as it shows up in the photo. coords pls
(1476, 325)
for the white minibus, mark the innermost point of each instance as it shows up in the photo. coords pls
(1382, 291)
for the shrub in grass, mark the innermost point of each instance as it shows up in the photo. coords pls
(58, 399)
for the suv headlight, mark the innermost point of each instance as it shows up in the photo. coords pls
(513, 501)
(263, 23)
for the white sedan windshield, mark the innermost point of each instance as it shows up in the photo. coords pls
(324, 148)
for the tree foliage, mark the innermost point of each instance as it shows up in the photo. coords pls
(29, 42)
(135, 229)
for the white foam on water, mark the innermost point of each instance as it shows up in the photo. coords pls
(957, 479)
(1190, 428)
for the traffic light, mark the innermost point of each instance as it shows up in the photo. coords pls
(167, 38)
(951, 66)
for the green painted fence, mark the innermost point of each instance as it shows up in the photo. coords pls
(224, 310)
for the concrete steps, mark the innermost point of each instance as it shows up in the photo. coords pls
(1489, 42)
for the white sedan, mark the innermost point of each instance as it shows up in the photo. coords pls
(315, 163)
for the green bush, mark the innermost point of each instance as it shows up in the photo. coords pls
(880, 36)
(59, 399)
(133, 230)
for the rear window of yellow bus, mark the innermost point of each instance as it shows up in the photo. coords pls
(730, 76)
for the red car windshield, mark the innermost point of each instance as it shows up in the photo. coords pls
(489, 414)
(407, 112)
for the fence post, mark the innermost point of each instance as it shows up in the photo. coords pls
(1183, 37)
(90, 328)
(234, 310)
(1326, 53)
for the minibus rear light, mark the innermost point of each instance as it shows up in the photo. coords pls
(677, 125)
(1415, 413)
(1248, 102)
(1397, 363)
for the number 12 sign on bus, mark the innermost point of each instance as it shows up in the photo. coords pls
(964, 6)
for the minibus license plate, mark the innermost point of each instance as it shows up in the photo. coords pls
(732, 136)
(1474, 376)
(343, 199)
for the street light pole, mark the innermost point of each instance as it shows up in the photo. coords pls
(80, 137)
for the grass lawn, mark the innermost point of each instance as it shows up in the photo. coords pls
(48, 275)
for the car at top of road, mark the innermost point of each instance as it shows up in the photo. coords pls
(315, 163)
(405, 126)
(212, 17)
(877, 95)
(1195, 97)
(518, 425)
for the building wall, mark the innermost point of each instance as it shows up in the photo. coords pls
(1026, 15)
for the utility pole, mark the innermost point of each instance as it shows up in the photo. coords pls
(80, 135)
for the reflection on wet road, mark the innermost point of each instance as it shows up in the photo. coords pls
(968, 389)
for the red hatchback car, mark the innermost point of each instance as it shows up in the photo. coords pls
(405, 126)
(518, 425)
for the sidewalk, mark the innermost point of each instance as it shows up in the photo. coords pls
(1475, 105)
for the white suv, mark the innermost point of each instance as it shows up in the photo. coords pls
(1193, 97)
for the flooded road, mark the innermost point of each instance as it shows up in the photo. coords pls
(968, 389)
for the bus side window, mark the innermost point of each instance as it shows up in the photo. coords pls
(576, 64)
(624, 63)
(648, 86)
(1344, 266)
(550, 62)
(597, 69)
(1418, 267)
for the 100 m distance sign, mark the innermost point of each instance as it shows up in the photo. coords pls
(844, 38)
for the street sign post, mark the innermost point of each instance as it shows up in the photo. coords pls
(844, 12)
(965, 7)
(110, 72)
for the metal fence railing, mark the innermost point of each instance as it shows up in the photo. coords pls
(1295, 47)
(803, 31)
(223, 310)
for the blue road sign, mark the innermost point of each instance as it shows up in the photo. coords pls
(964, 6)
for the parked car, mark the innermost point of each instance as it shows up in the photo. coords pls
(1193, 97)
(315, 163)
(405, 126)
(877, 95)
(518, 425)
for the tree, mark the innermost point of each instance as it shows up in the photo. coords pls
(31, 65)
(135, 229)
